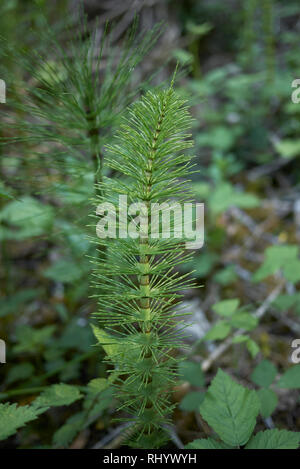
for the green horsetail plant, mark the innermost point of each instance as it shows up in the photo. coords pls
(72, 96)
(139, 324)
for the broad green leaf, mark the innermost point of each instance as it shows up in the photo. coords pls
(58, 395)
(13, 417)
(230, 409)
(219, 331)
(226, 307)
(226, 276)
(243, 320)
(287, 301)
(264, 374)
(31, 217)
(208, 443)
(290, 379)
(276, 257)
(268, 401)
(64, 270)
(291, 271)
(239, 339)
(97, 385)
(288, 148)
(192, 372)
(274, 439)
(192, 401)
(109, 344)
(225, 196)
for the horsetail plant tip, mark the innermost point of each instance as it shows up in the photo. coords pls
(139, 284)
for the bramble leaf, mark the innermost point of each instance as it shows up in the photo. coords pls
(230, 409)
(58, 395)
(208, 443)
(274, 439)
(290, 379)
(13, 417)
(264, 373)
(268, 401)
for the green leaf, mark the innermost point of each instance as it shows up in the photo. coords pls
(226, 276)
(19, 372)
(31, 340)
(274, 439)
(268, 401)
(192, 372)
(219, 331)
(225, 196)
(230, 409)
(13, 303)
(184, 57)
(290, 379)
(239, 339)
(58, 395)
(64, 270)
(13, 417)
(198, 29)
(31, 217)
(288, 148)
(192, 401)
(208, 443)
(276, 258)
(291, 271)
(108, 343)
(243, 320)
(97, 385)
(226, 307)
(252, 347)
(264, 374)
(287, 301)
(65, 434)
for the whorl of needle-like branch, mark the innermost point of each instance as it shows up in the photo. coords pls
(139, 284)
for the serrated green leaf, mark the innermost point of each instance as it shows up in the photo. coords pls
(58, 395)
(274, 439)
(208, 443)
(290, 379)
(264, 373)
(13, 417)
(230, 409)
